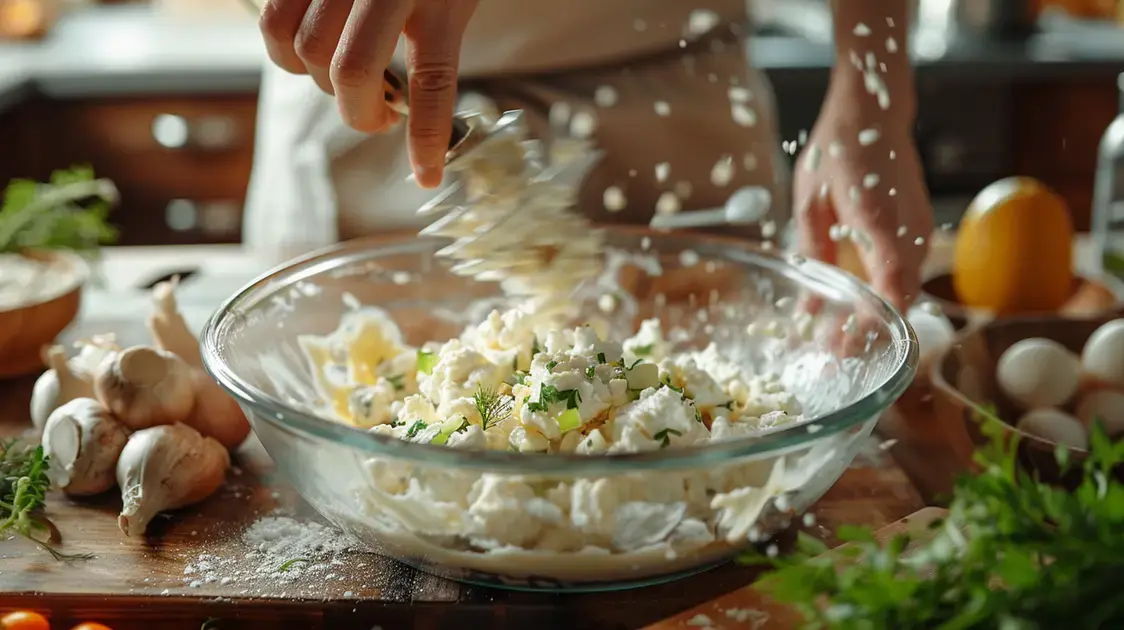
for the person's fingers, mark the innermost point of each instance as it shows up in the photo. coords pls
(279, 22)
(893, 266)
(814, 217)
(434, 32)
(365, 49)
(318, 37)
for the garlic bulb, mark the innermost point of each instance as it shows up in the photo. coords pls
(83, 441)
(145, 387)
(55, 387)
(166, 468)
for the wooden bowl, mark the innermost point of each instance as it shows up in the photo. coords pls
(1091, 297)
(25, 329)
(963, 379)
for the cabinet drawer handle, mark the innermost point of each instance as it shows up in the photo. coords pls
(211, 133)
(214, 219)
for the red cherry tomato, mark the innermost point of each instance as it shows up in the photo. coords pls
(24, 620)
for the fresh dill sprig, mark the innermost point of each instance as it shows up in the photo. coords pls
(23, 492)
(493, 407)
(1014, 553)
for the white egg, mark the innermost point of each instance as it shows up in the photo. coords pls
(1055, 426)
(1106, 406)
(1037, 373)
(934, 332)
(1103, 357)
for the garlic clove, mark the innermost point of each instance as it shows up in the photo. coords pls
(91, 353)
(55, 387)
(166, 468)
(145, 387)
(216, 414)
(83, 442)
(169, 328)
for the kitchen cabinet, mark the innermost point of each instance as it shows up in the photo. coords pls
(1057, 130)
(182, 164)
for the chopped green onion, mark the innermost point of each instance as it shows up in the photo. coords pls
(569, 420)
(426, 361)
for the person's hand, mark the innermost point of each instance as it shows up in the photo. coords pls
(345, 45)
(860, 178)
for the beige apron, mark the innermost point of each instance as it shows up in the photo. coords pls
(316, 182)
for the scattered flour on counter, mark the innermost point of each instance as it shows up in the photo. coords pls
(278, 552)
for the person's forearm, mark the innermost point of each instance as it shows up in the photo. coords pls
(872, 63)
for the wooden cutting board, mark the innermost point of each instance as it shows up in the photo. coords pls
(749, 609)
(133, 582)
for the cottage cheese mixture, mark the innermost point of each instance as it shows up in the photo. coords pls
(506, 385)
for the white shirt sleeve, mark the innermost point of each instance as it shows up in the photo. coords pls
(291, 206)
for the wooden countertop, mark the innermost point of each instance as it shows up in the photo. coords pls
(132, 582)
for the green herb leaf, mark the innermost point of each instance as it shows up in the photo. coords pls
(1014, 553)
(664, 437)
(493, 407)
(23, 492)
(414, 429)
(69, 212)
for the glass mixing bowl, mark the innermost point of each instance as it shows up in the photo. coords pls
(558, 521)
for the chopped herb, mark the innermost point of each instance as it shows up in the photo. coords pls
(517, 378)
(698, 414)
(426, 361)
(550, 365)
(417, 426)
(729, 404)
(664, 437)
(601, 357)
(395, 422)
(288, 564)
(590, 372)
(493, 407)
(398, 381)
(549, 394)
(635, 363)
(642, 351)
(535, 347)
(678, 390)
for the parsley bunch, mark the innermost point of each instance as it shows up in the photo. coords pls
(23, 491)
(69, 212)
(1013, 554)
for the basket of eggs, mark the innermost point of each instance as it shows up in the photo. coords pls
(1047, 380)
